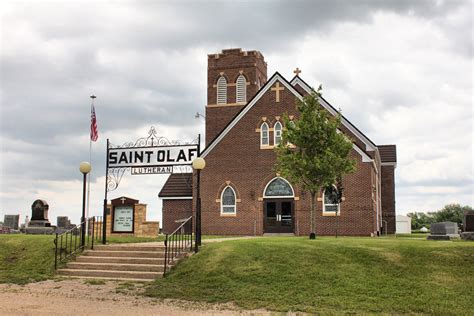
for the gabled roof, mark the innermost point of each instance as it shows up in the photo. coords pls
(178, 185)
(369, 145)
(388, 153)
(276, 76)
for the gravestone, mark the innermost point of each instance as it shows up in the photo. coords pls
(443, 231)
(63, 222)
(39, 223)
(11, 221)
(468, 225)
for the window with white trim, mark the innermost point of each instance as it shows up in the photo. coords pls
(241, 89)
(277, 133)
(264, 135)
(278, 188)
(292, 124)
(330, 200)
(228, 200)
(221, 90)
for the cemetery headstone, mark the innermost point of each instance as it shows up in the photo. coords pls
(63, 224)
(39, 223)
(468, 226)
(12, 221)
(443, 231)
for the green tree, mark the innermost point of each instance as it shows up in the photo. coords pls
(313, 153)
(451, 213)
(419, 219)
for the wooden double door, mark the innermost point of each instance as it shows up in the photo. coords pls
(278, 216)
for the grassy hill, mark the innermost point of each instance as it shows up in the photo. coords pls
(26, 258)
(328, 275)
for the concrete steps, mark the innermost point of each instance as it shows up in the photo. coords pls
(130, 260)
(137, 262)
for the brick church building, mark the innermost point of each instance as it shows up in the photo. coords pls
(240, 190)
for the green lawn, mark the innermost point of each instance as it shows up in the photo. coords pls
(329, 275)
(131, 239)
(26, 258)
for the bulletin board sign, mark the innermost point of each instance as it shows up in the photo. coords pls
(123, 219)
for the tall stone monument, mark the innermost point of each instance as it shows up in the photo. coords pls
(468, 226)
(39, 223)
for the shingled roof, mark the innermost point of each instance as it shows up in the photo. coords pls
(178, 185)
(388, 153)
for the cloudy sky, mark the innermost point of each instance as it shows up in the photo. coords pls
(400, 70)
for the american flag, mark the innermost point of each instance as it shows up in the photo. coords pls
(94, 131)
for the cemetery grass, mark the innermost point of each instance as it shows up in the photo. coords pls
(26, 258)
(132, 239)
(328, 275)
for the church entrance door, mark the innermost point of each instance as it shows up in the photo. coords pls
(278, 216)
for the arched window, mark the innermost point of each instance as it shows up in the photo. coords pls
(228, 205)
(241, 89)
(264, 139)
(292, 125)
(277, 133)
(278, 187)
(221, 90)
(330, 198)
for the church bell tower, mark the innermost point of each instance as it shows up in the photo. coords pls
(233, 78)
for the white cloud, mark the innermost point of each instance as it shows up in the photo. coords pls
(399, 71)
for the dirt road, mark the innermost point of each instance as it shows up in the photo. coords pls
(81, 297)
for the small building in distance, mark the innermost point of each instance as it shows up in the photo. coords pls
(403, 225)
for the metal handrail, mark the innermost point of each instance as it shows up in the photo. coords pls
(176, 243)
(64, 248)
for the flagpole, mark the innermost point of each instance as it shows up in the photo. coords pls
(90, 161)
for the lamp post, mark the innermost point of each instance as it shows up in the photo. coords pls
(198, 164)
(85, 168)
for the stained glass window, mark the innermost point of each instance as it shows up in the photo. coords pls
(277, 133)
(264, 134)
(330, 199)
(278, 187)
(228, 201)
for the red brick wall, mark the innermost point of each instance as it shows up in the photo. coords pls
(239, 159)
(174, 210)
(388, 197)
(231, 63)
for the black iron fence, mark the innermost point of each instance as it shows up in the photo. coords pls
(70, 243)
(178, 243)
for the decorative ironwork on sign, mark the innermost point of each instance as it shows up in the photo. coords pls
(152, 154)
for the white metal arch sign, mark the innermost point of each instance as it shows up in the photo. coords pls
(152, 154)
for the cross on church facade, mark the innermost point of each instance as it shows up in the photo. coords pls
(277, 90)
(297, 71)
(123, 200)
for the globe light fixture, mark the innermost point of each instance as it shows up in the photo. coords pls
(198, 164)
(84, 168)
